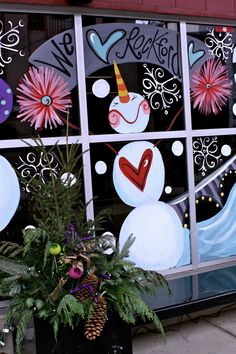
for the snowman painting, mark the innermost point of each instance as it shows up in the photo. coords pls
(138, 177)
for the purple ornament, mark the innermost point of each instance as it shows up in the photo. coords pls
(83, 286)
(105, 276)
(71, 231)
(6, 101)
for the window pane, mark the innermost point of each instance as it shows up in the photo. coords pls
(214, 159)
(145, 185)
(29, 163)
(142, 90)
(38, 81)
(212, 79)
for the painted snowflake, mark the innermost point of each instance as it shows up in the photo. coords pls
(211, 87)
(33, 166)
(43, 99)
(9, 39)
(219, 44)
(160, 91)
(206, 153)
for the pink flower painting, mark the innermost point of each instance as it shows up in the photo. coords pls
(211, 87)
(44, 98)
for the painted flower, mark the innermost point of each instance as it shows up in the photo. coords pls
(43, 99)
(211, 87)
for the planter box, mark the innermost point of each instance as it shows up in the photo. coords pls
(114, 339)
(7, 347)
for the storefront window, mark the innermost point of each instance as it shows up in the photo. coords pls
(212, 76)
(151, 104)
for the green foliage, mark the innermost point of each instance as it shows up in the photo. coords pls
(39, 282)
(70, 310)
(10, 249)
(13, 267)
(21, 328)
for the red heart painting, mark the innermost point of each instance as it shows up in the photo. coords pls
(137, 176)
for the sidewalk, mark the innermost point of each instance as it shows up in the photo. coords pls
(213, 334)
(201, 334)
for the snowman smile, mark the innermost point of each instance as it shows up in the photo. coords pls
(115, 115)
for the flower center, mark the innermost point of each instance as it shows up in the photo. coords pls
(46, 100)
(208, 86)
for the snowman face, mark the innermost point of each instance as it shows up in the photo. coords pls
(130, 117)
(138, 173)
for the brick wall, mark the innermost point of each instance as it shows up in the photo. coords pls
(207, 8)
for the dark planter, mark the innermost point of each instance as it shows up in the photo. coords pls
(114, 339)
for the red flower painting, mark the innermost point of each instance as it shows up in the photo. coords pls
(211, 87)
(44, 98)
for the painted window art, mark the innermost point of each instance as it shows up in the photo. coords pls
(153, 106)
(212, 82)
(38, 99)
(34, 101)
(142, 84)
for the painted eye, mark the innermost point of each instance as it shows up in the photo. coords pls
(115, 104)
(133, 98)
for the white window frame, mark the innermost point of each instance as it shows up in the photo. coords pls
(86, 140)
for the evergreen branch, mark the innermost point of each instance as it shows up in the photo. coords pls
(68, 308)
(9, 280)
(15, 268)
(46, 252)
(21, 328)
(10, 249)
(124, 252)
(37, 235)
(55, 324)
(130, 306)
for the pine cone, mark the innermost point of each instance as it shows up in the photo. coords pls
(94, 326)
(88, 291)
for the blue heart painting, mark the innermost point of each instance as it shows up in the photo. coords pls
(194, 56)
(102, 49)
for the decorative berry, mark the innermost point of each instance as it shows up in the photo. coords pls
(75, 272)
(55, 249)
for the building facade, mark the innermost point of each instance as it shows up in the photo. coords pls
(148, 91)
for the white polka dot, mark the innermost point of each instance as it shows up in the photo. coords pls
(168, 189)
(68, 178)
(8, 90)
(100, 167)
(29, 227)
(177, 148)
(101, 88)
(234, 109)
(6, 112)
(226, 150)
(3, 102)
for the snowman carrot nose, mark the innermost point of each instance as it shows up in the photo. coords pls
(122, 90)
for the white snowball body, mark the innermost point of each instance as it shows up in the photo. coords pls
(9, 192)
(159, 236)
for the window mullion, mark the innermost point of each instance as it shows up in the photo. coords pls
(189, 148)
(83, 116)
